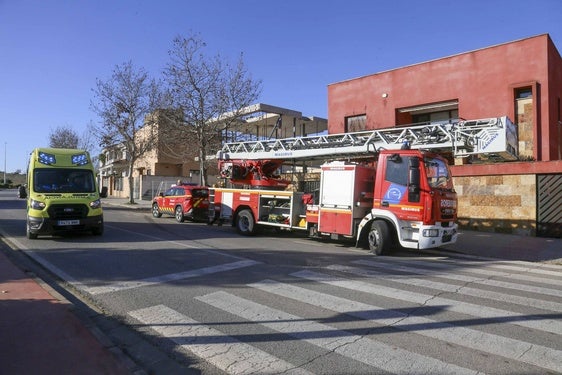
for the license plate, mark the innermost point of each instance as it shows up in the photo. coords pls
(68, 222)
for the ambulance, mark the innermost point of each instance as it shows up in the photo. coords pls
(63, 193)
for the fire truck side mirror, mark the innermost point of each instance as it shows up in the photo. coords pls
(414, 179)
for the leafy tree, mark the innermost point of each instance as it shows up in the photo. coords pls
(63, 137)
(123, 102)
(208, 93)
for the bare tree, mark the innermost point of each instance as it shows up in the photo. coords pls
(63, 137)
(66, 137)
(208, 93)
(123, 102)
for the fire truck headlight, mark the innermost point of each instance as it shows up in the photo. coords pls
(37, 205)
(430, 233)
(95, 204)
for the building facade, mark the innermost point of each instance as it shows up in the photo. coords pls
(175, 156)
(172, 158)
(522, 80)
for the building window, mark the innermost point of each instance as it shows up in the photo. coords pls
(355, 123)
(118, 183)
(435, 116)
(524, 93)
(428, 113)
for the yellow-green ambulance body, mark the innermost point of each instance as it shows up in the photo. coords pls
(63, 193)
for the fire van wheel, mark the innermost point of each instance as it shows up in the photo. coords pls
(245, 224)
(379, 237)
(156, 211)
(179, 214)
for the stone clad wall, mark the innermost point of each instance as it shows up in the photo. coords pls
(498, 203)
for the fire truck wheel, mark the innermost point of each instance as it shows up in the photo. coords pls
(155, 210)
(245, 223)
(179, 214)
(379, 237)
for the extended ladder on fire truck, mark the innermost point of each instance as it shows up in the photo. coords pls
(494, 137)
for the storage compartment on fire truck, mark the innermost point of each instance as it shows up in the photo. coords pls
(346, 196)
(284, 208)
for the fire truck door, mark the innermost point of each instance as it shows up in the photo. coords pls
(226, 204)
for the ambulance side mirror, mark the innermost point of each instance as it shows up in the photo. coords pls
(103, 192)
(414, 179)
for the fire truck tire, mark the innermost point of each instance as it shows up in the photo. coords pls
(245, 224)
(379, 237)
(179, 214)
(155, 211)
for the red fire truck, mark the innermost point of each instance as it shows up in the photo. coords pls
(383, 188)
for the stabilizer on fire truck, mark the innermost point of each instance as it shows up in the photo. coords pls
(255, 162)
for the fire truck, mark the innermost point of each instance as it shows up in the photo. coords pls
(384, 188)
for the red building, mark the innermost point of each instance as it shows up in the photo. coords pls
(520, 79)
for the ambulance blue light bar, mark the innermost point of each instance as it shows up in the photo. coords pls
(47, 159)
(79, 159)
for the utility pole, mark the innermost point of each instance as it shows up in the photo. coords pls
(5, 153)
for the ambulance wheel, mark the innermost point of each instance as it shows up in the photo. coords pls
(98, 231)
(379, 237)
(179, 214)
(155, 210)
(29, 234)
(245, 224)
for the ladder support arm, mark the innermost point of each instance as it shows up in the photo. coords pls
(496, 137)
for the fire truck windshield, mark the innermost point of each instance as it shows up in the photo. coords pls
(437, 171)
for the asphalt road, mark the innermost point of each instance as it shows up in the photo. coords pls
(187, 297)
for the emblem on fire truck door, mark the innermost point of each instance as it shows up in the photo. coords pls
(394, 193)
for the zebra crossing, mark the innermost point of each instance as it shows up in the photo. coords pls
(383, 315)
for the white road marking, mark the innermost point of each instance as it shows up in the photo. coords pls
(458, 289)
(168, 278)
(488, 270)
(536, 355)
(175, 243)
(415, 269)
(373, 353)
(217, 348)
(547, 325)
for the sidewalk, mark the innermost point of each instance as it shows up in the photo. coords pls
(41, 334)
(507, 246)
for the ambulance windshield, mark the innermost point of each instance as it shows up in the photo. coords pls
(61, 180)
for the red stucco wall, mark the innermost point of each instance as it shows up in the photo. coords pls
(554, 115)
(483, 82)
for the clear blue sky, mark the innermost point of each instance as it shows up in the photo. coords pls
(53, 51)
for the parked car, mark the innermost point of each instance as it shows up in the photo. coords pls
(184, 202)
(22, 193)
